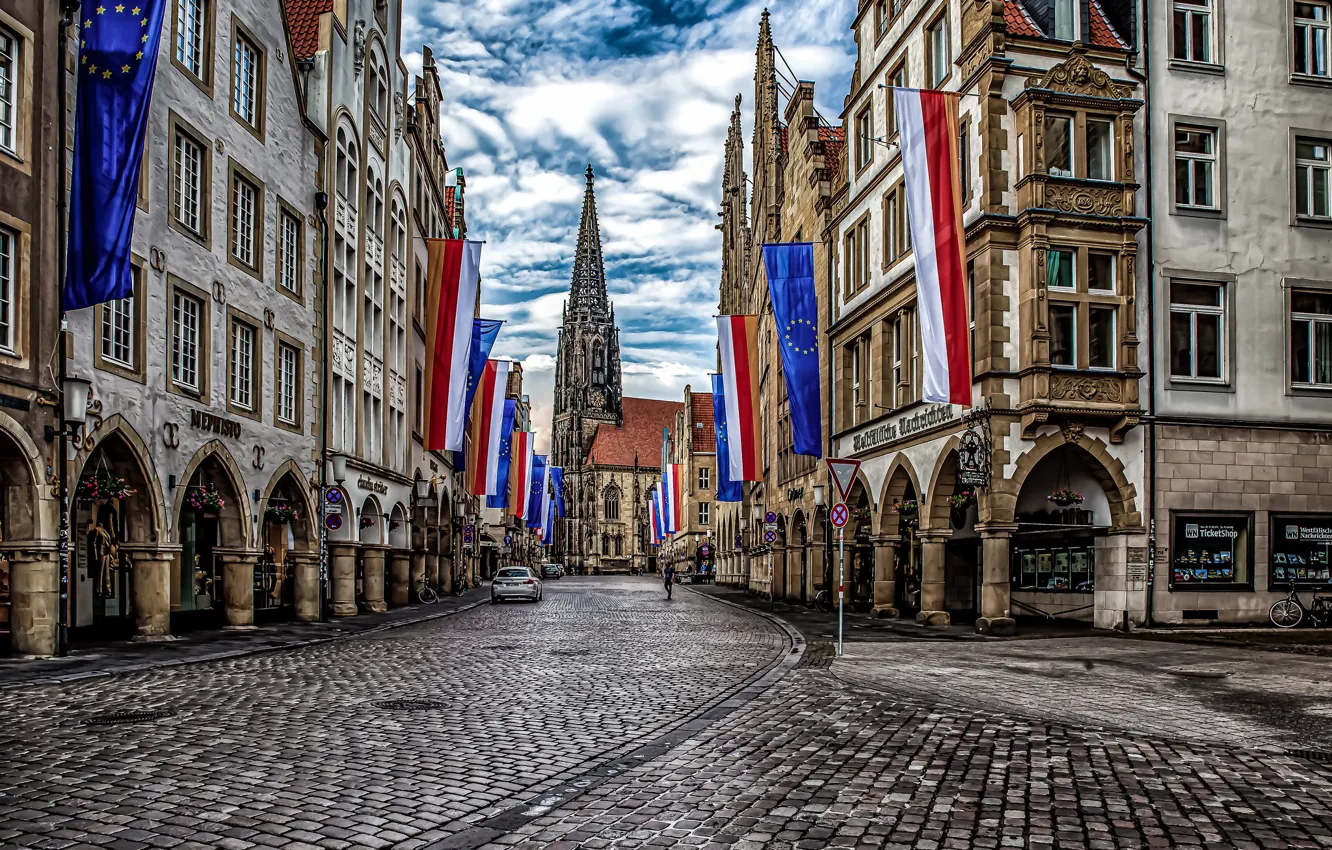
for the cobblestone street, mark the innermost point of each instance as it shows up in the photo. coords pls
(605, 717)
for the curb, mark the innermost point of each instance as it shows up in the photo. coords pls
(236, 653)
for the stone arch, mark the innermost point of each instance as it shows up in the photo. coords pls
(398, 530)
(934, 508)
(900, 481)
(116, 433)
(1107, 469)
(213, 459)
(373, 532)
(31, 512)
(289, 484)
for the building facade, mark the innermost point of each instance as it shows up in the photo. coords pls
(1241, 293)
(693, 445)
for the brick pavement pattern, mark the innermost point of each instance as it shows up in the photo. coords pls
(286, 749)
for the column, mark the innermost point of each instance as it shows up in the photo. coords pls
(400, 578)
(151, 569)
(932, 611)
(778, 589)
(304, 567)
(34, 596)
(342, 557)
(885, 576)
(439, 572)
(996, 582)
(237, 585)
(372, 577)
(418, 572)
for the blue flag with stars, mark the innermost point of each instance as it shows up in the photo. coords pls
(727, 490)
(557, 486)
(117, 64)
(795, 309)
(535, 490)
(501, 499)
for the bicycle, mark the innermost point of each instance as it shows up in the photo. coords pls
(1289, 612)
(460, 586)
(823, 599)
(425, 593)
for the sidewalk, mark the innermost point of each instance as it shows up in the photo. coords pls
(210, 644)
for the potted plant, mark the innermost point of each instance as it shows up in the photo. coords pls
(281, 513)
(1065, 498)
(367, 520)
(103, 485)
(205, 498)
(908, 510)
(958, 504)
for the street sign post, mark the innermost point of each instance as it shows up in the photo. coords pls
(839, 515)
(843, 474)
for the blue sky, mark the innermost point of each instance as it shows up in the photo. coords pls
(643, 90)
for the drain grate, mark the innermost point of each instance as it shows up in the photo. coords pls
(116, 718)
(408, 704)
(1322, 756)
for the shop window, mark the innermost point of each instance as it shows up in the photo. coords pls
(1059, 145)
(1311, 339)
(1055, 568)
(1211, 551)
(1197, 331)
(1301, 550)
(1310, 39)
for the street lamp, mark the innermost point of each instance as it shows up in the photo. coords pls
(339, 464)
(74, 394)
(820, 495)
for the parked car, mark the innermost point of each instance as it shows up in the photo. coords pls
(552, 571)
(515, 583)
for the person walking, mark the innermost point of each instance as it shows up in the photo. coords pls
(669, 574)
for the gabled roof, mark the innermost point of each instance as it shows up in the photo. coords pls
(1019, 20)
(639, 437)
(700, 414)
(303, 24)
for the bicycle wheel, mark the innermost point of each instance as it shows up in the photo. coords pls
(427, 595)
(1286, 614)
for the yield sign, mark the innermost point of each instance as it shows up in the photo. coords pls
(843, 474)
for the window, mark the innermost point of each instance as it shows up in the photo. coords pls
(704, 478)
(1311, 339)
(1062, 273)
(1100, 149)
(971, 311)
(118, 331)
(1066, 20)
(1208, 550)
(939, 60)
(189, 184)
(192, 49)
(857, 257)
(1312, 167)
(241, 376)
(612, 504)
(897, 223)
(1055, 567)
(1197, 331)
(288, 383)
(860, 379)
(289, 253)
(1100, 337)
(377, 88)
(244, 205)
(1063, 334)
(1311, 39)
(1195, 166)
(1100, 271)
(1192, 33)
(246, 81)
(881, 17)
(9, 75)
(903, 360)
(964, 160)
(864, 138)
(703, 509)
(8, 283)
(1059, 145)
(186, 327)
(896, 79)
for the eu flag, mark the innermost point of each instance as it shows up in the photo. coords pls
(795, 309)
(727, 490)
(535, 490)
(557, 484)
(501, 499)
(117, 62)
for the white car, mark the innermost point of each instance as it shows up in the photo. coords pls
(515, 583)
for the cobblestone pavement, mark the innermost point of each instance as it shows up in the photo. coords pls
(286, 749)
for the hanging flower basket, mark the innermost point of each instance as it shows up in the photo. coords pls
(906, 507)
(103, 485)
(395, 524)
(281, 513)
(367, 521)
(962, 499)
(205, 499)
(1065, 498)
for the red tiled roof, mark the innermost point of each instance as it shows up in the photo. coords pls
(834, 145)
(303, 25)
(448, 206)
(1017, 21)
(785, 140)
(700, 413)
(640, 436)
(1102, 33)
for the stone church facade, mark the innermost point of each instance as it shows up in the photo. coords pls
(607, 445)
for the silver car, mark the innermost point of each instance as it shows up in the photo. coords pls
(515, 583)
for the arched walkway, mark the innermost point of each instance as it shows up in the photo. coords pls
(212, 521)
(28, 518)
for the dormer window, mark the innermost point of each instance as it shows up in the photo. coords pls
(1066, 20)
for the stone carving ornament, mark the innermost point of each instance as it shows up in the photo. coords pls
(1083, 389)
(1085, 200)
(1077, 75)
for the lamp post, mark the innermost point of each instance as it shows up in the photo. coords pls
(73, 412)
(336, 470)
(821, 501)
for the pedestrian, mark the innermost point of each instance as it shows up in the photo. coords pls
(669, 574)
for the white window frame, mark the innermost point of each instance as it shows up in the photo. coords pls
(191, 47)
(9, 258)
(118, 332)
(289, 252)
(1193, 311)
(857, 377)
(864, 137)
(704, 512)
(1072, 13)
(245, 80)
(1090, 307)
(240, 377)
(1050, 118)
(186, 338)
(1192, 11)
(1313, 320)
(704, 478)
(1316, 34)
(1213, 158)
(244, 211)
(188, 158)
(10, 45)
(938, 35)
(288, 379)
(1305, 172)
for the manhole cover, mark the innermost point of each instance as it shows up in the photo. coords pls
(408, 704)
(115, 718)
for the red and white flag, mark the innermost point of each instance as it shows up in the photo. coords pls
(520, 472)
(483, 452)
(673, 501)
(927, 127)
(454, 276)
(737, 338)
(653, 522)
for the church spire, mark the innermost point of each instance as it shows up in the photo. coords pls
(587, 291)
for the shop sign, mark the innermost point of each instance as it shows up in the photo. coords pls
(205, 421)
(367, 483)
(1210, 549)
(1301, 549)
(794, 494)
(973, 459)
(906, 425)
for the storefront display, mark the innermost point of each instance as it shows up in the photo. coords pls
(1055, 568)
(1211, 550)
(1301, 546)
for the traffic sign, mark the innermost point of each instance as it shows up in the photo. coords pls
(467, 535)
(335, 508)
(333, 522)
(839, 515)
(333, 495)
(769, 526)
(770, 517)
(739, 542)
(843, 474)
(769, 537)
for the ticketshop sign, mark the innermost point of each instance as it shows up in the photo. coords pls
(900, 427)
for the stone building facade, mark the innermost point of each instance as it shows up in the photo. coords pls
(692, 443)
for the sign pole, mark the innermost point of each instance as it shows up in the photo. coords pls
(841, 593)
